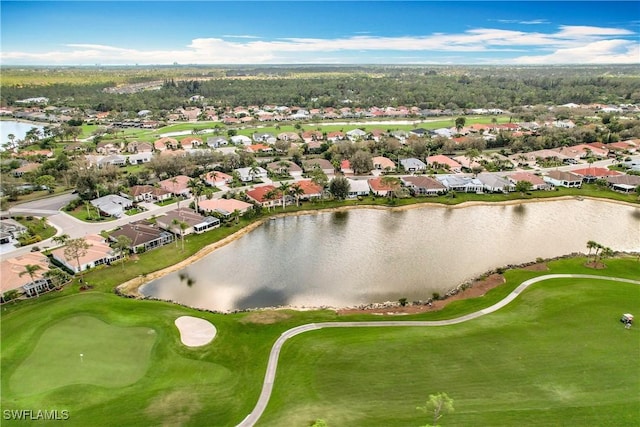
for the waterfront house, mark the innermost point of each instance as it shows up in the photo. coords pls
(537, 183)
(424, 185)
(14, 277)
(193, 221)
(224, 207)
(493, 183)
(144, 236)
(98, 253)
(465, 184)
(358, 188)
(563, 179)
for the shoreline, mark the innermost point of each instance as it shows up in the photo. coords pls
(131, 288)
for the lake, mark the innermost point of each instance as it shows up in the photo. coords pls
(18, 129)
(360, 256)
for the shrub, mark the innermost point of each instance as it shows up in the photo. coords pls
(435, 296)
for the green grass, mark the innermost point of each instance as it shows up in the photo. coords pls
(556, 356)
(56, 360)
(88, 213)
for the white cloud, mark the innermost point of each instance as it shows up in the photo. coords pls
(570, 44)
(599, 52)
(516, 21)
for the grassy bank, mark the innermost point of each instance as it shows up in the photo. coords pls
(556, 354)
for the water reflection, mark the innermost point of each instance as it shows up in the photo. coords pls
(367, 255)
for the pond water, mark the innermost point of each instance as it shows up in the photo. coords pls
(368, 255)
(15, 128)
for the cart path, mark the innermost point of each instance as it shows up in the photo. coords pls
(270, 375)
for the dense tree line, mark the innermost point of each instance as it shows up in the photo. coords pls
(313, 87)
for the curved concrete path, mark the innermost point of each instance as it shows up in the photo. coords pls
(270, 375)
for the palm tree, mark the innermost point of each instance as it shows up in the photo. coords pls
(254, 170)
(460, 122)
(183, 226)
(284, 189)
(393, 183)
(31, 269)
(61, 239)
(591, 244)
(12, 138)
(271, 195)
(122, 246)
(196, 187)
(296, 191)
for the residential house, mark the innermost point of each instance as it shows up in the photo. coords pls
(216, 179)
(109, 147)
(144, 236)
(413, 165)
(358, 188)
(163, 144)
(537, 182)
(259, 148)
(424, 185)
(400, 135)
(311, 136)
(335, 136)
(285, 167)
(190, 142)
(377, 134)
(139, 158)
(193, 221)
(149, 193)
(582, 151)
(224, 207)
(563, 179)
(259, 195)
(624, 183)
(264, 137)
(378, 187)
(464, 184)
(217, 141)
(591, 173)
(10, 229)
(383, 163)
(252, 173)
(139, 147)
(14, 276)
(464, 162)
(178, 185)
(99, 253)
(345, 168)
(493, 183)
(112, 205)
(28, 167)
(324, 164)
(241, 140)
(356, 134)
(310, 189)
(441, 161)
(290, 136)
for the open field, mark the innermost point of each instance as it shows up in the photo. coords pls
(556, 355)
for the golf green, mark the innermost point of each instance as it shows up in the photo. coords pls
(84, 350)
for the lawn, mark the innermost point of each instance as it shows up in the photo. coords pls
(81, 350)
(557, 355)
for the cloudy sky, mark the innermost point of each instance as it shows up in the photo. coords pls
(319, 32)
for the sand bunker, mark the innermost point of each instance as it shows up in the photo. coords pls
(195, 332)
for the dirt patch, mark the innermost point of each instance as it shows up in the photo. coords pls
(541, 266)
(265, 317)
(595, 265)
(477, 289)
(174, 408)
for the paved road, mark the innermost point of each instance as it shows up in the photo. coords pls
(272, 365)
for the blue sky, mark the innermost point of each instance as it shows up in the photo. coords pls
(327, 32)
